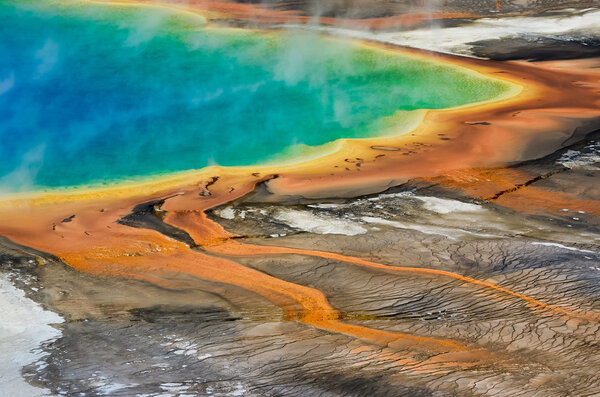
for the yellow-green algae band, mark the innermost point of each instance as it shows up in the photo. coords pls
(158, 93)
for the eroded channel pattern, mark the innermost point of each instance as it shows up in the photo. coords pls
(425, 289)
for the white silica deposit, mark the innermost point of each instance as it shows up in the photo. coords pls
(447, 206)
(458, 39)
(318, 224)
(24, 325)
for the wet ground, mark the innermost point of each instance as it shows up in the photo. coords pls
(126, 337)
(502, 262)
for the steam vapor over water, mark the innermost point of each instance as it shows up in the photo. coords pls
(102, 93)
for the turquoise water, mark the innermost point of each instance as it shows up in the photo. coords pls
(93, 94)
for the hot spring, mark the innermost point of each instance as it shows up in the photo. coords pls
(93, 94)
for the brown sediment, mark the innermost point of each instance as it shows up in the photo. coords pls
(213, 238)
(535, 122)
(515, 189)
(112, 249)
(534, 199)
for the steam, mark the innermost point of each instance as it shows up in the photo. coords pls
(143, 29)
(7, 84)
(297, 60)
(88, 130)
(47, 58)
(457, 39)
(22, 178)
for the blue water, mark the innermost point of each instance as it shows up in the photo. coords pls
(92, 94)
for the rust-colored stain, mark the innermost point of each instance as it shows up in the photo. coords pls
(211, 237)
(511, 188)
